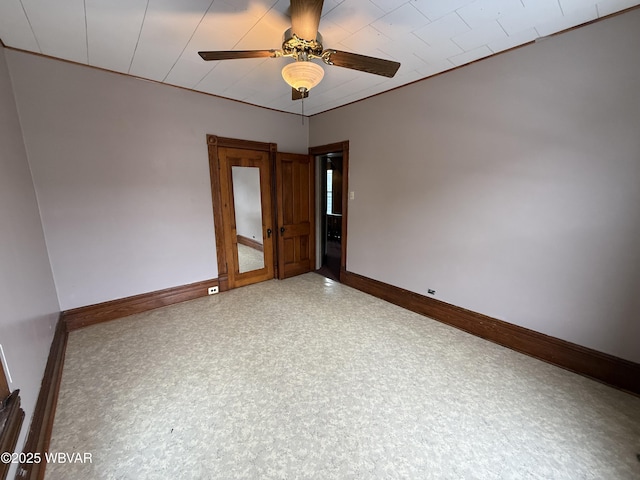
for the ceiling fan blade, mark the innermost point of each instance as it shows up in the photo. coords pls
(305, 18)
(296, 95)
(354, 61)
(233, 54)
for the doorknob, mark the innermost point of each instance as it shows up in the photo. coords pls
(281, 230)
(268, 233)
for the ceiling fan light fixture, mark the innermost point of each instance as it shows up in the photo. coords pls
(302, 76)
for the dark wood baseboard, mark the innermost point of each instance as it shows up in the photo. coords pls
(250, 242)
(42, 421)
(606, 368)
(103, 312)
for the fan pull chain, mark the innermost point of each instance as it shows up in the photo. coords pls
(302, 111)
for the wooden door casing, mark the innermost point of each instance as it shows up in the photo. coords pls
(295, 193)
(343, 148)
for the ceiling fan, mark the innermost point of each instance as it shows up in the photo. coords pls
(303, 42)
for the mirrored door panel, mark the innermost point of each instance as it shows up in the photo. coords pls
(248, 213)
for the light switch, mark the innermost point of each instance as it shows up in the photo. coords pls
(352, 195)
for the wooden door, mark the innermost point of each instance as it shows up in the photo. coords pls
(233, 161)
(296, 214)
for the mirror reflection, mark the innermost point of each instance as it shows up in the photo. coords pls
(248, 211)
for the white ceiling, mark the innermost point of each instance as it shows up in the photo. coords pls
(159, 39)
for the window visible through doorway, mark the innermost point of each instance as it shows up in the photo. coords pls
(329, 192)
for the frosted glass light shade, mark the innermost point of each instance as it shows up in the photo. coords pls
(302, 75)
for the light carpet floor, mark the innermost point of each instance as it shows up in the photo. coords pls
(306, 378)
(249, 259)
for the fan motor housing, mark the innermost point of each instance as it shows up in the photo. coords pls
(299, 48)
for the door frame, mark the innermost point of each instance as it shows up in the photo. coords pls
(213, 142)
(334, 148)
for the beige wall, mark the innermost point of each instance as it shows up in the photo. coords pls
(121, 170)
(28, 304)
(510, 186)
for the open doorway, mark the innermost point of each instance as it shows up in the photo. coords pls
(332, 163)
(331, 222)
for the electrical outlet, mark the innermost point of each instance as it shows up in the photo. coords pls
(213, 290)
(431, 292)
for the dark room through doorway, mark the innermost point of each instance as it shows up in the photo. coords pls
(331, 182)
